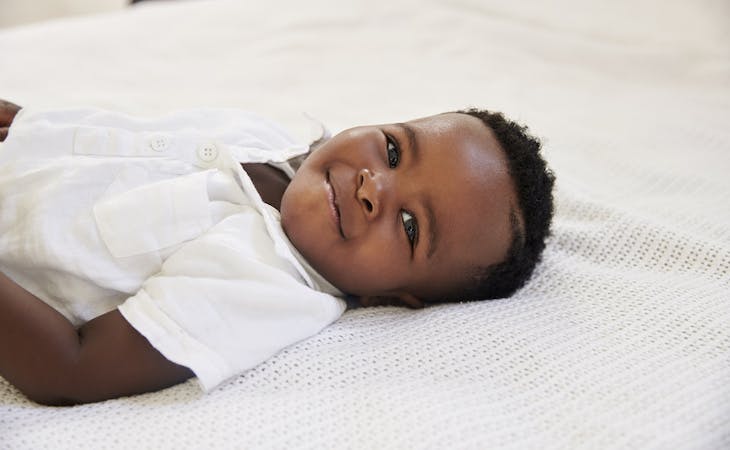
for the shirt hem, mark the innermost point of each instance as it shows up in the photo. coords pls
(173, 342)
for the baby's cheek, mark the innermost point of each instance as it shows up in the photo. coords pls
(372, 271)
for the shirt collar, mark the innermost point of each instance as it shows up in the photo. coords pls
(282, 245)
(318, 281)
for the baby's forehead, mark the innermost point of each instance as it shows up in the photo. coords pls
(455, 127)
(458, 132)
(442, 120)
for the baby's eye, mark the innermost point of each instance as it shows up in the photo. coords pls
(393, 152)
(410, 226)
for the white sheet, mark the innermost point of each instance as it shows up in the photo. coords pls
(621, 340)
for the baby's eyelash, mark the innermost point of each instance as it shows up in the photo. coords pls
(410, 225)
(392, 151)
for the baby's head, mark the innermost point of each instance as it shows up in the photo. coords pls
(451, 207)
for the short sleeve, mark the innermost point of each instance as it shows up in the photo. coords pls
(221, 306)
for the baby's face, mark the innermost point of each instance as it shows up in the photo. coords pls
(404, 212)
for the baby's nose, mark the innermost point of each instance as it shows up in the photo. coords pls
(369, 192)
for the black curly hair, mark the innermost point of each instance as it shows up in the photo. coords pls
(533, 183)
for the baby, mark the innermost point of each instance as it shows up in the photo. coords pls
(137, 253)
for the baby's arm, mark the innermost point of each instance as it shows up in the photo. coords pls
(7, 114)
(51, 362)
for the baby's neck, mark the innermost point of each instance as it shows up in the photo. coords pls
(269, 181)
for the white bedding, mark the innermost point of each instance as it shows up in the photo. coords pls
(622, 338)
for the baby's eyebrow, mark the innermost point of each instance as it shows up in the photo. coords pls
(412, 139)
(432, 230)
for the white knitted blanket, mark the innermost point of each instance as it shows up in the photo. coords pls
(622, 338)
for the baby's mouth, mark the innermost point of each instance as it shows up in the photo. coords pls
(335, 210)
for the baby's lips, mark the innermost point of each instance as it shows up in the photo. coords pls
(332, 206)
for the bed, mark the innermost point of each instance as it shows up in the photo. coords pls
(622, 337)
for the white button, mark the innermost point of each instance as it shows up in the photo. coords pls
(207, 152)
(158, 143)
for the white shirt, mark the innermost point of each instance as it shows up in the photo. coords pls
(157, 218)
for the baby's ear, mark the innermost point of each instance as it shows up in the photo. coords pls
(407, 300)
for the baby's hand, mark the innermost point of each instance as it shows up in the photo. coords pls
(7, 114)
